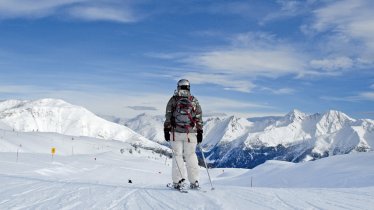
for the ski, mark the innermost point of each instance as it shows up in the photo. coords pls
(198, 190)
(170, 185)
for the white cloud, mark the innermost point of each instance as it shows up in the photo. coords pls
(366, 96)
(36, 8)
(332, 64)
(345, 99)
(350, 19)
(227, 81)
(281, 91)
(14, 89)
(338, 14)
(219, 103)
(255, 40)
(252, 54)
(361, 96)
(241, 8)
(166, 56)
(269, 63)
(94, 13)
(235, 107)
(88, 10)
(288, 8)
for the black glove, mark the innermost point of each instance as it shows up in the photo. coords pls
(167, 134)
(199, 136)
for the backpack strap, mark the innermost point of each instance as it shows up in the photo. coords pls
(173, 108)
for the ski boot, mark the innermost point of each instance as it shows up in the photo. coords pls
(195, 186)
(181, 185)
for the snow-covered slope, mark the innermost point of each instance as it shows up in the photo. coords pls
(224, 130)
(38, 142)
(96, 176)
(149, 126)
(4, 126)
(340, 171)
(54, 115)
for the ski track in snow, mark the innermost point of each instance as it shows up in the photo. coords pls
(92, 180)
(59, 195)
(25, 192)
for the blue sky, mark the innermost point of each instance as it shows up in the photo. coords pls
(248, 58)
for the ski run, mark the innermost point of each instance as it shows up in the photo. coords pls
(90, 173)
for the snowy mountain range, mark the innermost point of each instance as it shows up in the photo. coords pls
(295, 137)
(58, 116)
(92, 173)
(229, 141)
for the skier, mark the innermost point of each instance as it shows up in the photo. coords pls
(184, 122)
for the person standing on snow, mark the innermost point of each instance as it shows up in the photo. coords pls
(185, 125)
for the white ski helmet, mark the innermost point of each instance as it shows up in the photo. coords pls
(183, 84)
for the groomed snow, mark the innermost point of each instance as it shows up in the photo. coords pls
(96, 175)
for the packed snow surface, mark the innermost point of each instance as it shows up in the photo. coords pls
(90, 173)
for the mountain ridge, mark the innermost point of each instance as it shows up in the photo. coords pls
(296, 137)
(229, 141)
(56, 115)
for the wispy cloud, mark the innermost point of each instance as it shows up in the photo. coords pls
(288, 8)
(281, 91)
(15, 89)
(361, 96)
(229, 82)
(366, 96)
(241, 8)
(251, 62)
(252, 55)
(344, 99)
(217, 104)
(166, 56)
(33, 9)
(332, 64)
(87, 10)
(351, 20)
(95, 13)
(237, 107)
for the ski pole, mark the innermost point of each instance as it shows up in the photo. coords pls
(210, 180)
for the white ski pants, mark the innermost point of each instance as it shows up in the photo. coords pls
(182, 147)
